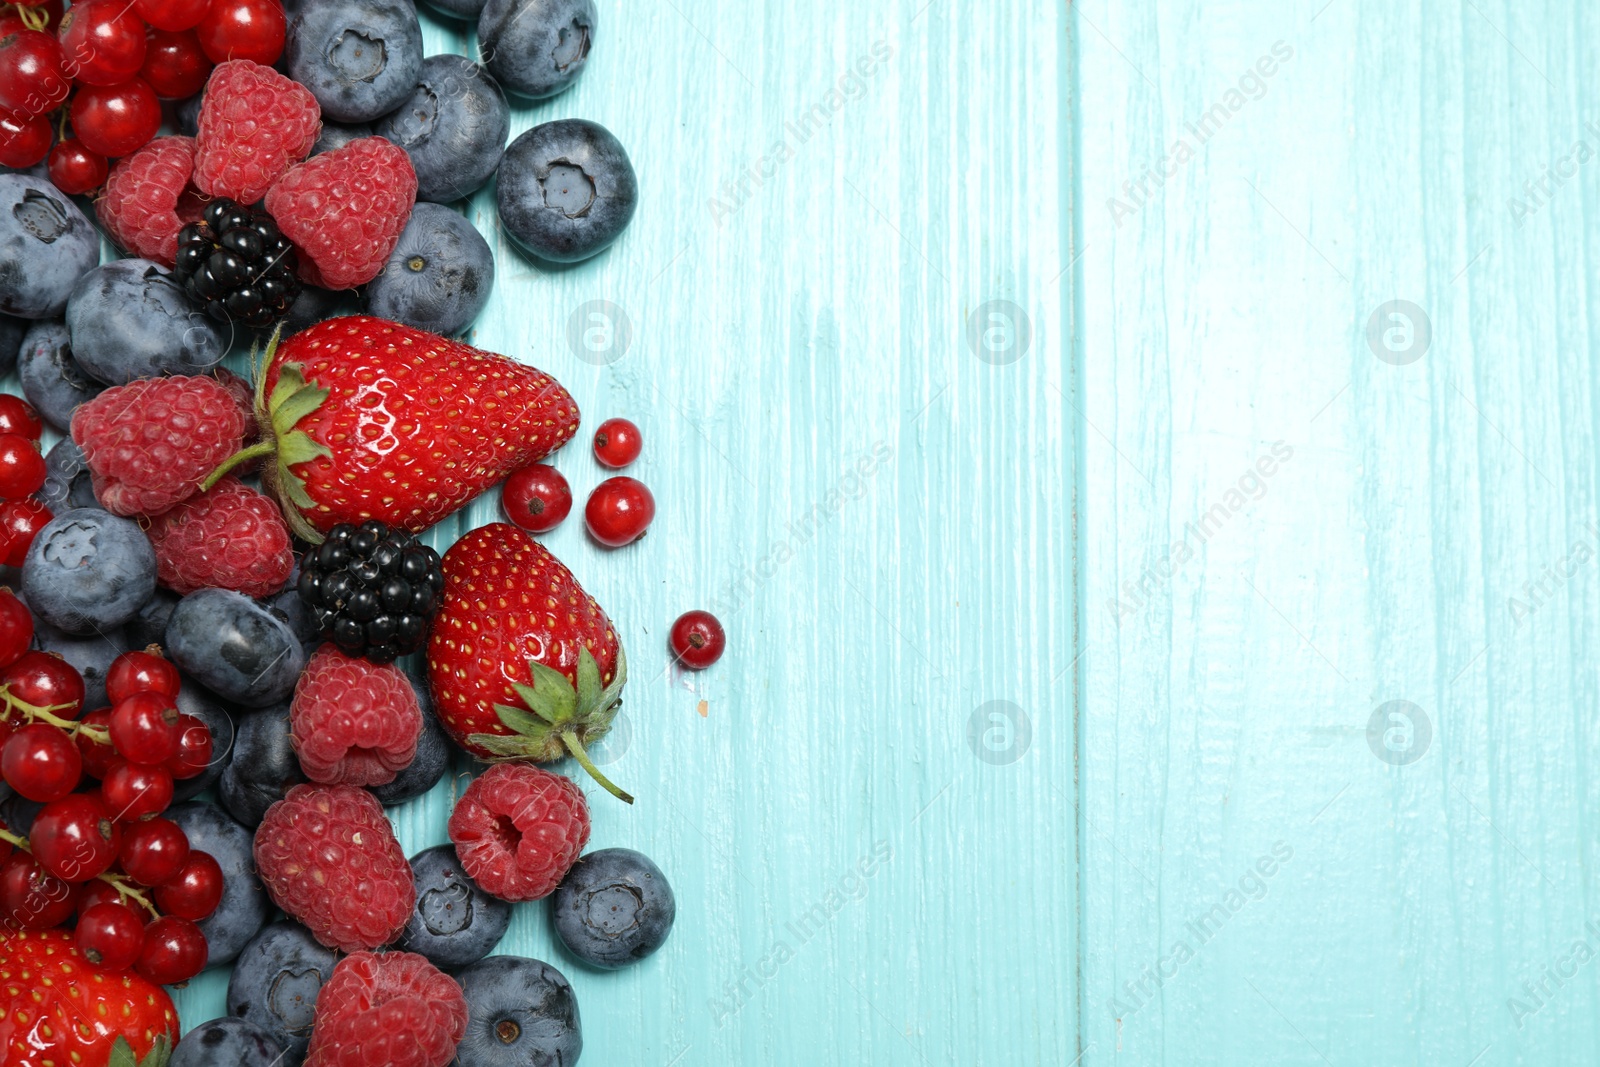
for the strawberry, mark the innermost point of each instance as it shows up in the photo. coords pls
(523, 663)
(369, 419)
(57, 1008)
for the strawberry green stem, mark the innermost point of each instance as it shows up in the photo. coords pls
(574, 746)
(124, 890)
(239, 458)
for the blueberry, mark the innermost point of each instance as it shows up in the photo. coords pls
(235, 647)
(613, 908)
(359, 58)
(227, 1043)
(129, 320)
(264, 766)
(460, 9)
(91, 655)
(275, 982)
(89, 571)
(245, 906)
(454, 922)
(519, 1012)
(195, 700)
(438, 277)
(566, 190)
(186, 114)
(433, 757)
(301, 618)
(337, 135)
(46, 244)
(51, 378)
(453, 126)
(315, 304)
(12, 330)
(149, 625)
(18, 813)
(67, 483)
(537, 48)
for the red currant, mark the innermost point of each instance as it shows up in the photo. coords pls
(74, 838)
(697, 639)
(22, 469)
(109, 936)
(142, 671)
(172, 14)
(115, 120)
(154, 851)
(31, 78)
(174, 64)
(104, 43)
(45, 680)
(174, 951)
(537, 498)
(97, 756)
(100, 891)
(74, 169)
(24, 141)
(619, 511)
(133, 791)
(243, 29)
(20, 523)
(144, 728)
(16, 628)
(6, 847)
(194, 749)
(31, 898)
(41, 762)
(617, 443)
(195, 892)
(16, 414)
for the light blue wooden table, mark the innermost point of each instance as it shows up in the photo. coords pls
(1145, 456)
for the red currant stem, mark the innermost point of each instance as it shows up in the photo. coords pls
(574, 746)
(245, 455)
(123, 888)
(33, 713)
(32, 17)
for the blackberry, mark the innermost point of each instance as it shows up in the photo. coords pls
(237, 265)
(374, 589)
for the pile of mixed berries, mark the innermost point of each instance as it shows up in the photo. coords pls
(224, 649)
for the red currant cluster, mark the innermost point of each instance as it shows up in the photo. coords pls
(103, 854)
(116, 60)
(22, 473)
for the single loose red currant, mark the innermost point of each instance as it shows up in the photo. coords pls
(133, 791)
(537, 498)
(243, 29)
(20, 523)
(142, 671)
(24, 140)
(103, 41)
(31, 898)
(16, 628)
(194, 749)
(154, 851)
(617, 443)
(22, 469)
(31, 79)
(619, 511)
(172, 14)
(195, 892)
(174, 951)
(74, 838)
(144, 728)
(45, 680)
(41, 762)
(16, 414)
(115, 120)
(109, 936)
(97, 756)
(174, 64)
(697, 639)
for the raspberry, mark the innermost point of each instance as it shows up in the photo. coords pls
(345, 209)
(517, 830)
(245, 395)
(254, 125)
(393, 1010)
(147, 199)
(354, 722)
(329, 858)
(149, 444)
(229, 537)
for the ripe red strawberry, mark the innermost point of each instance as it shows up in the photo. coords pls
(57, 1008)
(374, 420)
(229, 537)
(254, 125)
(344, 210)
(524, 664)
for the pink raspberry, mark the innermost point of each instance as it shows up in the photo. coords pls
(149, 444)
(147, 199)
(229, 537)
(254, 125)
(517, 830)
(329, 857)
(393, 1010)
(354, 722)
(344, 210)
